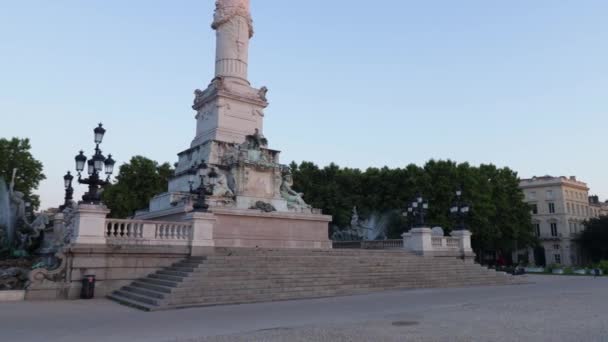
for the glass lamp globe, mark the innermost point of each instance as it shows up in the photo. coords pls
(99, 133)
(80, 159)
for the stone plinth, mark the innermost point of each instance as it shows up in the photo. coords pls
(250, 228)
(89, 224)
(419, 241)
(12, 296)
(422, 241)
(203, 225)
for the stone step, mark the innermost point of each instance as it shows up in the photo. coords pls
(152, 287)
(286, 287)
(139, 298)
(144, 292)
(174, 273)
(177, 279)
(243, 297)
(246, 276)
(117, 297)
(321, 273)
(160, 282)
(181, 269)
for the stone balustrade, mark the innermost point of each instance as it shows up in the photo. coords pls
(138, 232)
(422, 241)
(446, 243)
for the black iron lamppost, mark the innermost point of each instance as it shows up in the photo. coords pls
(69, 190)
(201, 192)
(95, 166)
(417, 210)
(409, 213)
(460, 210)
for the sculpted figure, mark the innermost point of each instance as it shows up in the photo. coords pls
(221, 188)
(294, 199)
(262, 93)
(256, 140)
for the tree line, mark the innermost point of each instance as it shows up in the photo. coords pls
(499, 219)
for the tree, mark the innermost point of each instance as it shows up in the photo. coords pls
(594, 239)
(15, 153)
(499, 218)
(137, 182)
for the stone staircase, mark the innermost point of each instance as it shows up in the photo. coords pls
(237, 276)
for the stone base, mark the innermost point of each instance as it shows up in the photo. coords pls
(12, 296)
(250, 228)
(253, 228)
(113, 268)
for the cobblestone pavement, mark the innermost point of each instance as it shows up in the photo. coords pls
(552, 308)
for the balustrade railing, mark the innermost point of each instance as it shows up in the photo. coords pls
(137, 232)
(437, 241)
(452, 242)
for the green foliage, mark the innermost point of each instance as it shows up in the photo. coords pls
(603, 265)
(15, 153)
(568, 270)
(594, 239)
(499, 219)
(137, 182)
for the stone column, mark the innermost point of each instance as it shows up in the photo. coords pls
(202, 232)
(419, 241)
(90, 224)
(234, 27)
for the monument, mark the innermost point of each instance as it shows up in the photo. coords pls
(249, 192)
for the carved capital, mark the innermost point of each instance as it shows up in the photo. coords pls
(225, 10)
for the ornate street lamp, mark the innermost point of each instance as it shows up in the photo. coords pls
(95, 166)
(417, 211)
(201, 192)
(460, 210)
(69, 190)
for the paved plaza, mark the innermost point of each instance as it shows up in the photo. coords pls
(551, 308)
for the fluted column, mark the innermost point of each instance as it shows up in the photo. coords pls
(234, 27)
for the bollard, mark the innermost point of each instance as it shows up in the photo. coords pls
(88, 287)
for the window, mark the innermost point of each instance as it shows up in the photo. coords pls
(553, 229)
(556, 247)
(549, 194)
(569, 207)
(537, 226)
(533, 195)
(558, 258)
(551, 208)
(534, 209)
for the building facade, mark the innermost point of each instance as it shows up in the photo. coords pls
(560, 206)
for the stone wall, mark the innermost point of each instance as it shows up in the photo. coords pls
(113, 267)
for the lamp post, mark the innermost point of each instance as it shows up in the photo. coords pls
(460, 210)
(201, 192)
(417, 210)
(95, 166)
(69, 190)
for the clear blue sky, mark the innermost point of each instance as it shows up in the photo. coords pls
(517, 83)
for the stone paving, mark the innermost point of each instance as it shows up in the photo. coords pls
(552, 308)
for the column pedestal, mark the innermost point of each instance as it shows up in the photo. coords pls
(90, 224)
(202, 232)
